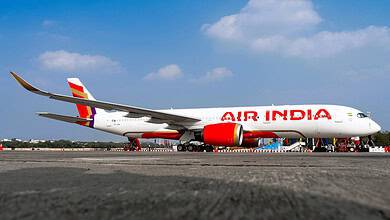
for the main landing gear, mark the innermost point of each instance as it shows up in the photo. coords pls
(133, 145)
(195, 148)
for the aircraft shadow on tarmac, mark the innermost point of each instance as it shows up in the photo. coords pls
(73, 193)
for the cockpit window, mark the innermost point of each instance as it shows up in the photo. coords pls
(361, 115)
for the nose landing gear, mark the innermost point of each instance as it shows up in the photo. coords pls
(370, 141)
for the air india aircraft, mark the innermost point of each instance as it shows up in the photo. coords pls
(234, 126)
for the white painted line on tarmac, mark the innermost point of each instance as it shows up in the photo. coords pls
(115, 158)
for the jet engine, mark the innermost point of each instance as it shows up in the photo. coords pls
(221, 134)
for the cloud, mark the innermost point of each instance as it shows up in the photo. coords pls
(290, 28)
(169, 72)
(265, 18)
(215, 74)
(64, 61)
(324, 43)
(48, 23)
(51, 31)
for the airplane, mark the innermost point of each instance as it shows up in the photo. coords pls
(222, 126)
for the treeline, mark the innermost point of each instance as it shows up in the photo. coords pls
(70, 144)
(382, 138)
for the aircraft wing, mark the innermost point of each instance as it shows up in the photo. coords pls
(132, 110)
(64, 118)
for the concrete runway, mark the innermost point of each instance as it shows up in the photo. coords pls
(153, 185)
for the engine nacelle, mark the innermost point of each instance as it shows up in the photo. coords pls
(221, 134)
(251, 142)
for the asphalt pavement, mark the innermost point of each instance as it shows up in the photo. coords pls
(181, 185)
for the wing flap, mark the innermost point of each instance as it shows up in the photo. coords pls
(106, 105)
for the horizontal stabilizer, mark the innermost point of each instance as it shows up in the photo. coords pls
(64, 118)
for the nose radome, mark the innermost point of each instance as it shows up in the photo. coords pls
(375, 127)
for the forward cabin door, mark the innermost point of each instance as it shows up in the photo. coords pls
(338, 116)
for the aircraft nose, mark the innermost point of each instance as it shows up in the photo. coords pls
(375, 127)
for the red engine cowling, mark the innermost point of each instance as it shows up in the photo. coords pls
(251, 142)
(223, 134)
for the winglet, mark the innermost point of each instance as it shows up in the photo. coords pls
(27, 85)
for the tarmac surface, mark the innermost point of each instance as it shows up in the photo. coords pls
(166, 185)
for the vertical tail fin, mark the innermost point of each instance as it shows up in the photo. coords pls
(80, 91)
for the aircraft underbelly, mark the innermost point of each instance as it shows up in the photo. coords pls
(130, 128)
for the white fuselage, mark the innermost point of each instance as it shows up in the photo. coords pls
(292, 121)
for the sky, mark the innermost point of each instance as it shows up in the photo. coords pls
(185, 54)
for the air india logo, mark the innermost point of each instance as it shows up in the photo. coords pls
(275, 115)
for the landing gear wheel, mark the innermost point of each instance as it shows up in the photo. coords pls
(180, 147)
(190, 147)
(197, 148)
(209, 148)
